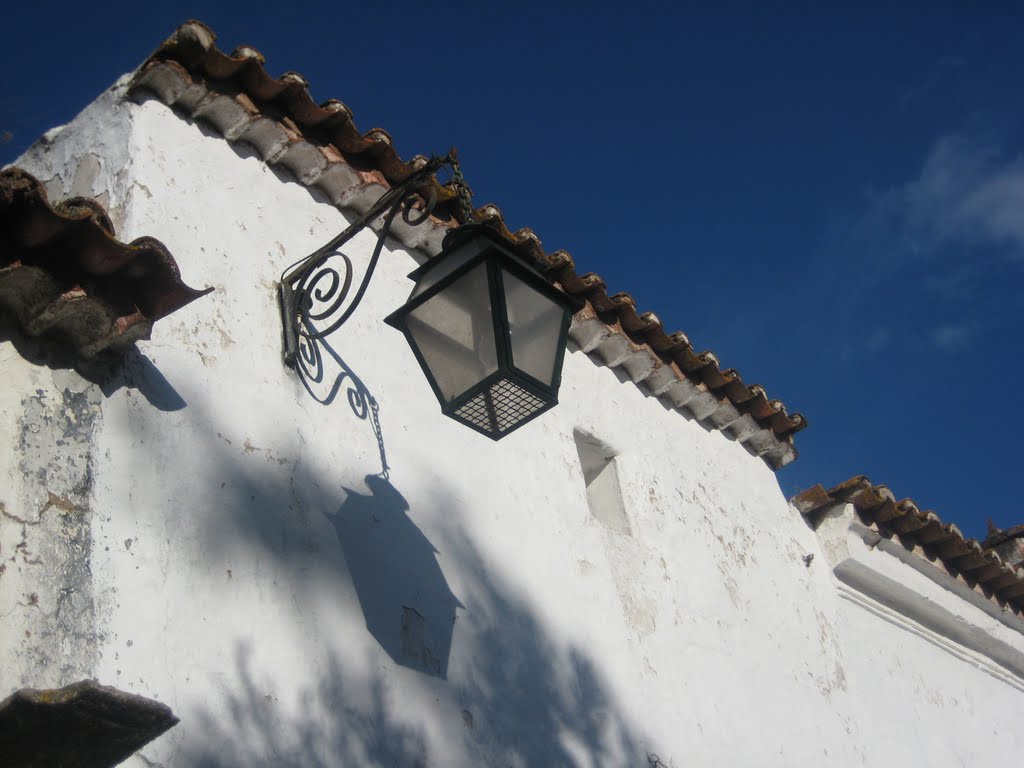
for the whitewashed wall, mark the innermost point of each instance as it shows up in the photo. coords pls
(237, 559)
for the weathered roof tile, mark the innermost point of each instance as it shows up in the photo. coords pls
(64, 274)
(976, 563)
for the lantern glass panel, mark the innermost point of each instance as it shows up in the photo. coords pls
(448, 264)
(535, 326)
(454, 332)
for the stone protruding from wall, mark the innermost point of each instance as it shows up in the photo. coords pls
(84, 725)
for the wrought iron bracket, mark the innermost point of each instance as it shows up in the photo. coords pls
(313, 293)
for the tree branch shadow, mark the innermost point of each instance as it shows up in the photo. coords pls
(496, 675)
(544, 702)
(358, 731)
(436, 679)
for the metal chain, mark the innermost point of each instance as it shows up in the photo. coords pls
(375, 423)
(463, 190)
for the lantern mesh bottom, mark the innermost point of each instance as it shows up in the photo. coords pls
(500, 408)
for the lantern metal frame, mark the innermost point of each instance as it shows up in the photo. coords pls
(498, 259)
(313, 296)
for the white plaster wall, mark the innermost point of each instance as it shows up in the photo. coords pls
(239, 551)
(920, 705)
(46, 425)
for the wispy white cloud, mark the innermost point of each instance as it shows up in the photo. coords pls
(950, 337)
(932, 258)
(967, 193)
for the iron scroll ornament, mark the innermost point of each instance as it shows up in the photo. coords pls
(313, 293)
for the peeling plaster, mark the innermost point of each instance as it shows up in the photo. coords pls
(88, 157)
(46, 535)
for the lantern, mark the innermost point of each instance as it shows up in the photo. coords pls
(488, 331)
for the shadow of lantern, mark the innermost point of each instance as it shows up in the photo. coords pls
(406, 602)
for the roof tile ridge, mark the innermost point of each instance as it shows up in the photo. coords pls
(960, 555)
(193, 45)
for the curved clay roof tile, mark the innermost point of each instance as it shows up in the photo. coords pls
(248, 52)
(64, 274)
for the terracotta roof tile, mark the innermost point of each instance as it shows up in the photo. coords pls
(64, 274)
(922, 530)
(321, 146)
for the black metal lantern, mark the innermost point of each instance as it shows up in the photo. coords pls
(488, 330)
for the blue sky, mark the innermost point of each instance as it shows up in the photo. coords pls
(830, 197)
